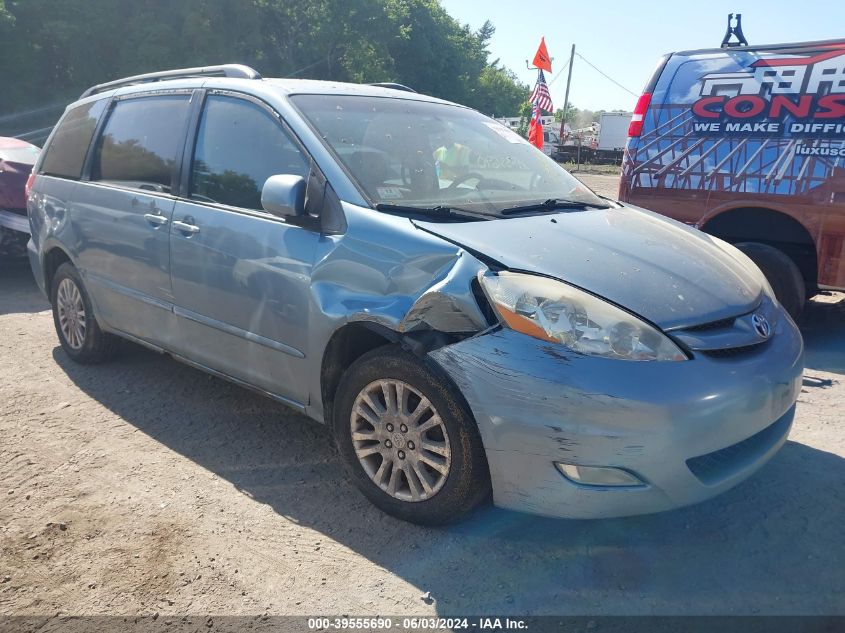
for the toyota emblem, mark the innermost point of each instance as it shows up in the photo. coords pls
(761, 325)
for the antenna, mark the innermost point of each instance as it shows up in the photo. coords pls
(734, 30)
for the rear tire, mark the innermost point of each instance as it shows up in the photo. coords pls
(782, 273)
(73, 315)
(416, 452)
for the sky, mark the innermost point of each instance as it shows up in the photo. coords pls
(625, 39)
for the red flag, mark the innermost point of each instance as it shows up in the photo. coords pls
(542, 59)
(535, 128)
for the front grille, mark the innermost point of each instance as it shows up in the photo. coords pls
(717, 466)
(732, 339)
(713, 325)
(734, 352)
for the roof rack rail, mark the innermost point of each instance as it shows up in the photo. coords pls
(394, 86)
(223, 70)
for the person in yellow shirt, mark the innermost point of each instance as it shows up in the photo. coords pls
(451, 159)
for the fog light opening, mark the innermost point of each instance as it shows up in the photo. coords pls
(602, 476)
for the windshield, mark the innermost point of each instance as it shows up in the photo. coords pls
(417, 154)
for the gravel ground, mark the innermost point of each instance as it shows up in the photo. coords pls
(603, 184)
(145, 486)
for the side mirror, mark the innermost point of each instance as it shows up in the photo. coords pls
(283, 195)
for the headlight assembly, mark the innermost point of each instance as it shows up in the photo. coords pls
(557, 312)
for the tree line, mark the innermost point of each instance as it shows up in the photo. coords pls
(53, 50)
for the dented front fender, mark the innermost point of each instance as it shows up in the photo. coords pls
(387, 272)
(404, 279)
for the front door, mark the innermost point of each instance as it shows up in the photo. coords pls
(123, 213)
(241, 277)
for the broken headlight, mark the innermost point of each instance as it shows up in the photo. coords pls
(557, 312)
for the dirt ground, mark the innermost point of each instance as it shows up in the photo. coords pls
(603, 184)
(144, 486)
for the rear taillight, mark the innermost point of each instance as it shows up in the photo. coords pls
(635, 128)
(28, 186)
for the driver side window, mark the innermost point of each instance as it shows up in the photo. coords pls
(239, 146)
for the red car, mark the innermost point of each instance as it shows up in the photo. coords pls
(16, 160)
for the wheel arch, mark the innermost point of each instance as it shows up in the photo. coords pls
(347, 344)
(53, 257)
(353, 339)
(775, 227)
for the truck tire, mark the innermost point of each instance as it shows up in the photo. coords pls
(782, 273)
(408, 439)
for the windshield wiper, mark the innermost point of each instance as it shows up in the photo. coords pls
(552, 204)
(439, 211)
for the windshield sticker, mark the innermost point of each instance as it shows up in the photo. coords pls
(509, 135)
(389, 193)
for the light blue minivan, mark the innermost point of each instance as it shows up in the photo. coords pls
(472, 321)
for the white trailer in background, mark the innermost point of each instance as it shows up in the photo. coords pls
(603, 143)
(613, 131)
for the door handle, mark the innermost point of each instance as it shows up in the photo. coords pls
(155, 218)
(184, 227)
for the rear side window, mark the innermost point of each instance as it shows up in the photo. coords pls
(141, 141)
(66, 153)
(239, 146)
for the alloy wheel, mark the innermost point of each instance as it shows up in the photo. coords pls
(71, 312)
(400, 440)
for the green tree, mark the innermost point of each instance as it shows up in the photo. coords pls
(54, 50)
(524, 118)
(499, 92)
(572, 114)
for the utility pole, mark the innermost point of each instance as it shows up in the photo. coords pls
(566, 97)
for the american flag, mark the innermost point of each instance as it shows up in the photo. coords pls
(535, 113)
(541, 95)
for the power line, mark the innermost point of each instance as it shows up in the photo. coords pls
(33, 133)
(304, 68)
(19, 115)
(605, 75)
(560, 72)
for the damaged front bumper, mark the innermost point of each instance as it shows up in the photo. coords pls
(688, 430)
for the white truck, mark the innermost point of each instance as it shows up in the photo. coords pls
(551, 139)
(602, 148)
(613, 132)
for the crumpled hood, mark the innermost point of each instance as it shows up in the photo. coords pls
(672, 275)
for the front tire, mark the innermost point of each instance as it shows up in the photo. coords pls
(782, 273)
(408, 440)
(73, 315)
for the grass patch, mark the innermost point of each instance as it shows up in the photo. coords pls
(608, 170)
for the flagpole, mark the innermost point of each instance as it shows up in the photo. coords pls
(540, 98)
(535, 116)
(566, 96)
